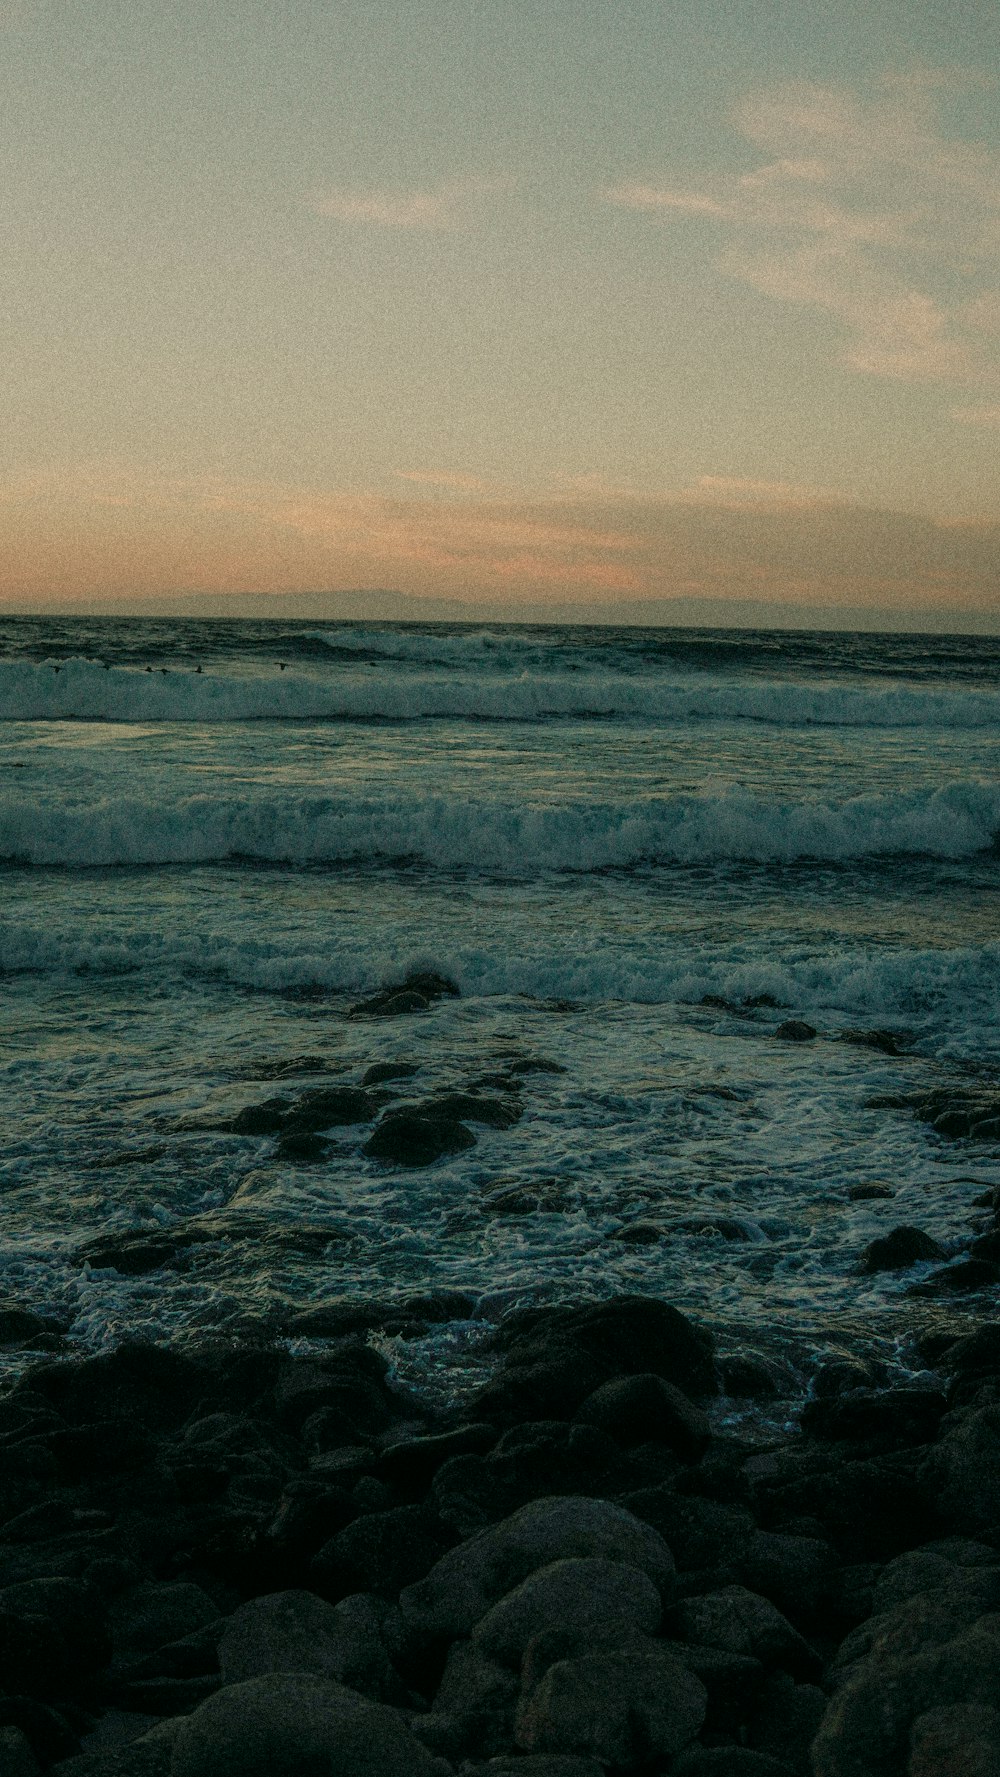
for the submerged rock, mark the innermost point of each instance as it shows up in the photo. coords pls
(417, 1137)
(897, 1250)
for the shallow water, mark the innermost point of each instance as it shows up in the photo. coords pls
(589, 832)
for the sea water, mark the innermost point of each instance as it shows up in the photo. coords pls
(636, 854)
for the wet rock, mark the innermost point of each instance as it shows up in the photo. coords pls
(469, 1579)
(794, 1030)
(529, 1461)
(415, 994)
(886, 1418)
(958, 1279)
(474, 1107)
(870, 1192)
(381, 1071)
(637, 1234)
(412, 1464)
(887, 1042)
(620, 1708)
(21, 1327)
(746, 1375)
(555, 1357)
(290, 1724)
(897, 1250)
(417, 1138)
(590, 1596)
(304, 1149)
(742, 1622)
(639, 1409)
(331, 1107)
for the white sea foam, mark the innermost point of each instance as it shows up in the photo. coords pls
(499, 838)
(85, 690)
(861, 981)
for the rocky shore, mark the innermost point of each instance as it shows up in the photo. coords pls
(234, 1560)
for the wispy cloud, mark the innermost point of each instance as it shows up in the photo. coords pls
(107, 529)
(869, 212)
(441, 207)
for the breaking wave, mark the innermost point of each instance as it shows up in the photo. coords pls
(499, 839)
(86, 690)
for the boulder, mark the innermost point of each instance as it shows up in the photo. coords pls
(469, 1579)
(642, 1409)
(298, 1725)
(742, 1622)
(588, 1596)
(148, 1616)
(897, 1250)
(299, 1632)
(417, 1138)
(623, 1709)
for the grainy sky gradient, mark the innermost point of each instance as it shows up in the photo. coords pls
(528, 300)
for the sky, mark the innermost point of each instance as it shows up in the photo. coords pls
(502, 301)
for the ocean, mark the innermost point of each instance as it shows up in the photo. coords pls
(636, 854)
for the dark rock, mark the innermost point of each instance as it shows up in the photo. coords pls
(637, 1234)
(382, 1552)
(16, 1756)
(592, 1597)
(411, 1464)
(295, 1724)
(109, 1447)
(838, 1376)
(291, 1067)
(331, 1107)
(146, 1385)
(49, 1734)
(530, 1461)
(260, 1119)
(303, 1148)
(871, 1192)
(380, 1071)
(700, 1533)
(729, 1761)
(899, 1249)
(67, 1613)
(299, 1632)
(417, 1138)
(958, 1279)
(637, 1409)
(739, 1621)
(786, 1718)
(748, 1376)
(963, 1471)
(556, 1356)
(793, 1030)
(887, 1419)
(20, 1326)
(620, 1708)
(147, 1616)
(463, 1585)
(887, 1042)
(473, 1107)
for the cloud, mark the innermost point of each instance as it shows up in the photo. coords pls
(439, 208)
(869, 212)
(105, 530)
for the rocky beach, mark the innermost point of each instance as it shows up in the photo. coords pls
(239, 1560)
